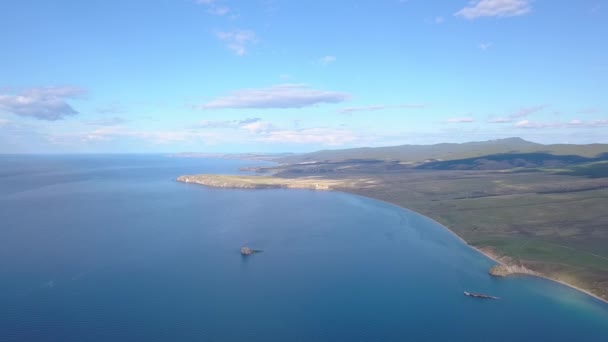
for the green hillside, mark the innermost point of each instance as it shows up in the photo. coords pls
(448, 151)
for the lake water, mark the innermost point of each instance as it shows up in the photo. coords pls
(111, 248)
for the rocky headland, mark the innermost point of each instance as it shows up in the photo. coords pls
(259, 182)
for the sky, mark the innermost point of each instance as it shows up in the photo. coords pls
(224, 76)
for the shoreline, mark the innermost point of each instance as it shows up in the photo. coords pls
(486, 254)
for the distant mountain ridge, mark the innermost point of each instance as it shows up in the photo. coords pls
(448, 151)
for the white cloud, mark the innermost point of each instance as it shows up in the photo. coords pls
(575, 123)
(525, 111)
(279, 96)
(226, 123)
(439, 20)
(494, 8)
(258, 127)
(238, 40)
(114, 121)
(214, 8)
(154, 136)
(350, 110)
(460, 120)
(43, 103)
(534, 124)
(500, 120)
(251, 125)
(326, 60)
(485, 46)
(323, 136)
(249, 132)
(219, 10)
(588, 124)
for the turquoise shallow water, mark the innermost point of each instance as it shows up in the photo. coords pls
(110, 248)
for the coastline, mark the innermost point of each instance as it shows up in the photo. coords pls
(329, 187)
(485, 253)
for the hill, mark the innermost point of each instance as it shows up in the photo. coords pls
(508, 161)
(447, 151)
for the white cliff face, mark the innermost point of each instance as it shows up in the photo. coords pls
(255, 182)
(505, 270)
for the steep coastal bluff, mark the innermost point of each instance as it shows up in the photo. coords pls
(507, 270)
(259, 182)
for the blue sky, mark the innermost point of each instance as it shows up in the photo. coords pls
(273, 76)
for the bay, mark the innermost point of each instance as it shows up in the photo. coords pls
(111, 248)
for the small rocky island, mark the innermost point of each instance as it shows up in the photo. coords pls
(248, 251)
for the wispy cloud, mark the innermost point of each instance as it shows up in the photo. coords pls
(439, 20)
(157, 137)
(213, 7)
(525, 111)
(460, 120)
(115, 121)
(485, 46)
(113, 108)
(575, 123)
(327, 60)
(350, 110)
(238, 41)
(258, 130)
(226, 123)
(518, 114)
(589, 111)
(279, 96)
(322, 136)
(247, 131)
(500, 120)
(535, 124)
(258, 126)
(588, 124)
(43, 103)
(494, 8)
(251, 125)
(597, 123)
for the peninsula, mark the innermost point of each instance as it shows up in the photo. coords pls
(534, 209)
(259, 182)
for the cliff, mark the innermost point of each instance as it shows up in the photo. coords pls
(506, 270)
(259, 182)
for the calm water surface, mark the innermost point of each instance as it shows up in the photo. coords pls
(111, 248)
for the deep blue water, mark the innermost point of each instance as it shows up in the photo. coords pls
(111, 248)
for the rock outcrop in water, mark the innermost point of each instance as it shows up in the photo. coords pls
(248, 251)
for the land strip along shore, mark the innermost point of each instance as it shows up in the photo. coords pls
(493, 212)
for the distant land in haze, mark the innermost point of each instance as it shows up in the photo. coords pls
(538, 209)
(241, 156)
